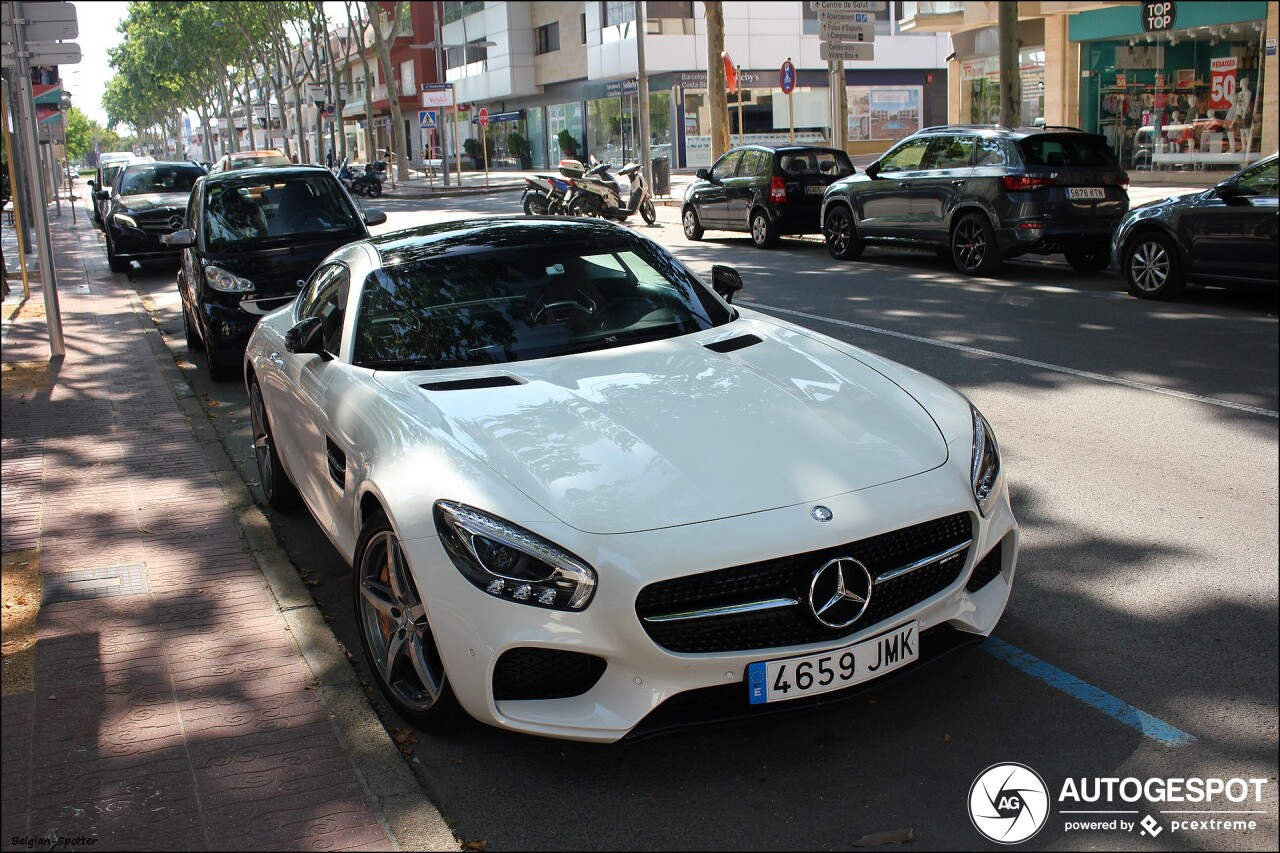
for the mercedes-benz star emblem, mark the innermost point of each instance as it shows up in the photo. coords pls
(840, 592)
(820, 513)
(175, 222)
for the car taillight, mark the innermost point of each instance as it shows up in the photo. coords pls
(777, 190)
(1013, 183)
(1124, 180)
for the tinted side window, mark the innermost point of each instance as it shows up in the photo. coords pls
(326, 298)
(950, 152)
(726, 165)
(1260, 180)
(320, 286)
(906, 157)
(989, 152)
(755, 164)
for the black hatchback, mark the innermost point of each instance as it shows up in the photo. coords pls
(978, 194)
(764, 191)
(251, 238)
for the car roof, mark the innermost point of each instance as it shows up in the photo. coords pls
(1003, 130)
(270, 173)
(462, 236)
(139, 165)
(265, 152)
(115, 156)
(790, 147)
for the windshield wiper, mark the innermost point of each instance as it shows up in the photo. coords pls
(420, 363)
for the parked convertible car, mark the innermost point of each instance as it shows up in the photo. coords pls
(1226, 236)
(586, 497)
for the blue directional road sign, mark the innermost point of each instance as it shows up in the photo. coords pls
(427, 119)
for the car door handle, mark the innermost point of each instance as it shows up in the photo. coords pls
(958, 183)
(276, 359)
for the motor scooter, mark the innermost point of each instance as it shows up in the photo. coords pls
(544, 195)
(600, 194)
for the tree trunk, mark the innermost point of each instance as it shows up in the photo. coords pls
(231, 142)
(250, 120)
(717, 97)
(393, 91)
(368, 83)
(1010, 79)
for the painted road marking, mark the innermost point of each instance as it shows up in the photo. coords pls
(1094, 697)
(1084, 374)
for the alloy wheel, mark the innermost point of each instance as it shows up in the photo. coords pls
(1149, 266)
(394, 620)
(970, 244)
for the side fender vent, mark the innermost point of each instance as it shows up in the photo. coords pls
(471, 384)
(731, 344)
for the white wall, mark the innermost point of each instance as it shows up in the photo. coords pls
(508, 72)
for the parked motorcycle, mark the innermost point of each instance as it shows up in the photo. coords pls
(375, 174)
(544, 195)
(600, 194)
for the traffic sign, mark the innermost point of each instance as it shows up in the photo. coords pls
(44, 53)
(484, 117)
(850, 51)
(848, 5)
(839, 31)
(437, 94)
(787, 78)
(49, 30)
(427, 119)
(40, 13)
(836, 15)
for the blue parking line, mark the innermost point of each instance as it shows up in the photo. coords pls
(1088, 694)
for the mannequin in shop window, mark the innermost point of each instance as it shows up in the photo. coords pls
(1238, 117)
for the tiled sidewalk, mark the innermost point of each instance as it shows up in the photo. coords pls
(172, 709)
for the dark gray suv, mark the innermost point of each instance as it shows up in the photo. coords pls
(978, 194)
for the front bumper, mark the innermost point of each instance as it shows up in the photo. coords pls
(140, 244)
(473, 630)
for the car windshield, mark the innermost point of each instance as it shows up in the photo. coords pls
(1074, 150)
(159, 179)
(252, 210)
(492, 307)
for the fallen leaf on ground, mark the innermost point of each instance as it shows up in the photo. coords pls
(403, 736)
(889, 836)
(475, 844)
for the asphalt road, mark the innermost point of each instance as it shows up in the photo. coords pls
(1140, 441)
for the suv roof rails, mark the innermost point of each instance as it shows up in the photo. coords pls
(1056, 127)
(967, 127)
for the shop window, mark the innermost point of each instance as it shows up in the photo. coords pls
(546, 39)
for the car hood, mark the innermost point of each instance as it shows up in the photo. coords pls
(276, 271)
(671, 433)
(154, 201)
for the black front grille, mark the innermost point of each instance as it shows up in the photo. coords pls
(159, 223)
(545, 674)
(789, 577)
(987, 570)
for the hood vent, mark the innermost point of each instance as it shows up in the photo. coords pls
(731, 344)
(471, 384)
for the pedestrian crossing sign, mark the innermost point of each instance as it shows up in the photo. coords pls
(427, 119)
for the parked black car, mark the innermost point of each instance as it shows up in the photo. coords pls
(109, 165)
(251, 238)
(146, 203)
(1226, 235)
(981, 193)
(764, 191)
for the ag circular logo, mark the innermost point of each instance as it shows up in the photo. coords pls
(1008, 803)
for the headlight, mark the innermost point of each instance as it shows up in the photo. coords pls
(511, 563)
(220, 279)
(985, 469)
(125, 220)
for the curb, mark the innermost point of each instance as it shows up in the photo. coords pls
(412, 821)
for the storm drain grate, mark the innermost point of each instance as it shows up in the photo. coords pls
(88, 584)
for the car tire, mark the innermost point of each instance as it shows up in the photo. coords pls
(842, 239)
(647, 212)
(399, 646)
(692, 227)
(536, 204)
(277, 488)
(1088, 260)
(114, 261)
(1151, 267)
(194, 342)
(973, 246)
(763, 232)
(218, 370)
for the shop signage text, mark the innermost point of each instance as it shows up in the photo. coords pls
(1159, 17)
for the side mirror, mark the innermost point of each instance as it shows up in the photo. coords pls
(702, 174)
(102, 195)
(725, 281)
(179, 239)
(373, 216)
(1227, 190)
(872, 169)
(305, 337)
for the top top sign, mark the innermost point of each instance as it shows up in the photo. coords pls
(848, 5)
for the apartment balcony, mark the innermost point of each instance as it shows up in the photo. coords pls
(924, 17)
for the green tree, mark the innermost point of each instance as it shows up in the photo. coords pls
(79, 139)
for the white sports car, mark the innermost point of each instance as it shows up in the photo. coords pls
(586, 497)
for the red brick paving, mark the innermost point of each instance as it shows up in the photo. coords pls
(181, 719)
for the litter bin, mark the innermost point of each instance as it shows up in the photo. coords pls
(661, 176)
